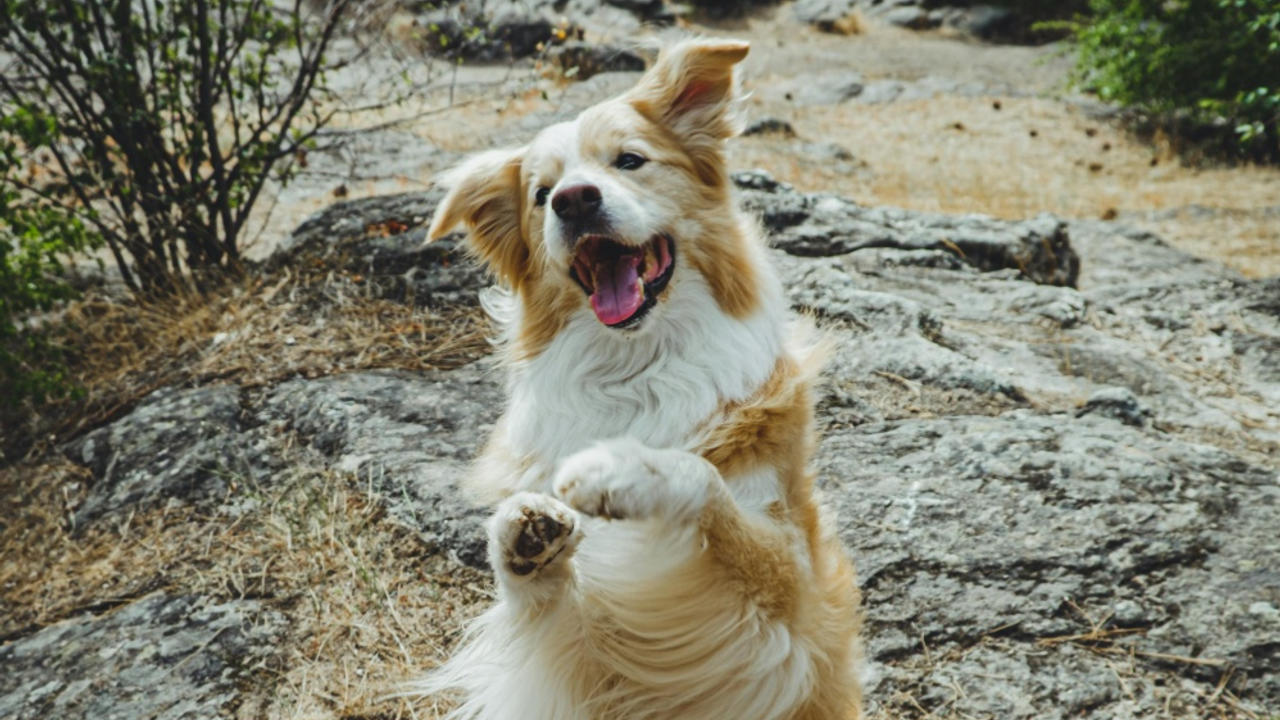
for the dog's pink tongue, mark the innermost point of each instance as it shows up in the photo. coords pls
(619, 291)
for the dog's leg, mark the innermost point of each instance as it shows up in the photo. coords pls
(623, 479)
(531, 539)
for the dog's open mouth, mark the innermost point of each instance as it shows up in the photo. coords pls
(623, 281)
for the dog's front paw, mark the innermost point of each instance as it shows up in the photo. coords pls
(623, 479)
(532, 532)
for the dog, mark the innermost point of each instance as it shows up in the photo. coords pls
(658, 546)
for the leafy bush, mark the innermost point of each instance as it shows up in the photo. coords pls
(1207, 59)
(34, 234)
(147, 126)
(168, 117)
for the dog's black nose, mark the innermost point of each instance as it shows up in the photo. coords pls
(577, 202)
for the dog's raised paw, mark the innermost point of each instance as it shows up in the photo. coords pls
(622, 479)
(531, 531)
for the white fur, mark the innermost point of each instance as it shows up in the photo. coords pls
(655, 385)
(626, 480)
(640, 600)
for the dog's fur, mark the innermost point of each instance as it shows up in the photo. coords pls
(658, 547)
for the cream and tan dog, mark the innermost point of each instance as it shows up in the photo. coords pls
(658, 546)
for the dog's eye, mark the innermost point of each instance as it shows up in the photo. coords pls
(629, 161)
(540, 197)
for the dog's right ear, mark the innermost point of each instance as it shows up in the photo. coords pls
(484, 194)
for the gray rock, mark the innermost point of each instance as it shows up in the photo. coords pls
(163, 658)
(351, 219)
(821, 88)
(409, 437)
(908, 16)
(769, 126)
(824, 14)
(1119, 403)
(828, 225)
(967, 527)
(474, 32)
(987, 21)
(384, 239)
(495, 31)
(176, 445)
(590, 60)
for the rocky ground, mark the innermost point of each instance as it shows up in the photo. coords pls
(1053, 442)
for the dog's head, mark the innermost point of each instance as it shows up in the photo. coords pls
(613, 210)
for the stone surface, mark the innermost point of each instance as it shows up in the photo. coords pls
(410, 438)
(987, 22)
(967, 527)
(500, 30)
(769, 126)
(163, 657)
(583, 60)
(179, 445)
(830, 225)
(384, 239)
(821, 88)
(824, 14)
(909, 16)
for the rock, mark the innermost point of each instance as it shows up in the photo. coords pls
(1119, 403)
(826, 15)
(182, 445)
(412, 438)
(165, 657)
(988, 22)
(828, 225)
(770, 126)
(828, 151)
(384, 240)
(968, 527)
(352, 219)
(469, 32)
(501, 31)
(908, 16)
(592, 59)
(822, 88)
(882, 91)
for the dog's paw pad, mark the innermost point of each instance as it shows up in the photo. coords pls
(532, 531)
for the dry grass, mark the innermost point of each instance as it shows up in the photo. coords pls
(941, 682)
(961, 155)
(309, 323)
(367, 606)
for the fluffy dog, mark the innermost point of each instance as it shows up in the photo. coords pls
(658, 547)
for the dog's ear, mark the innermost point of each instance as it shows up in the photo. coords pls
(484, 194)
(690, 88)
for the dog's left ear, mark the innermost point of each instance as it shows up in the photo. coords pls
(484, 194)
(690, 88)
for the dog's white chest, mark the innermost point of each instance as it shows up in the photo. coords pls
(593, 383)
